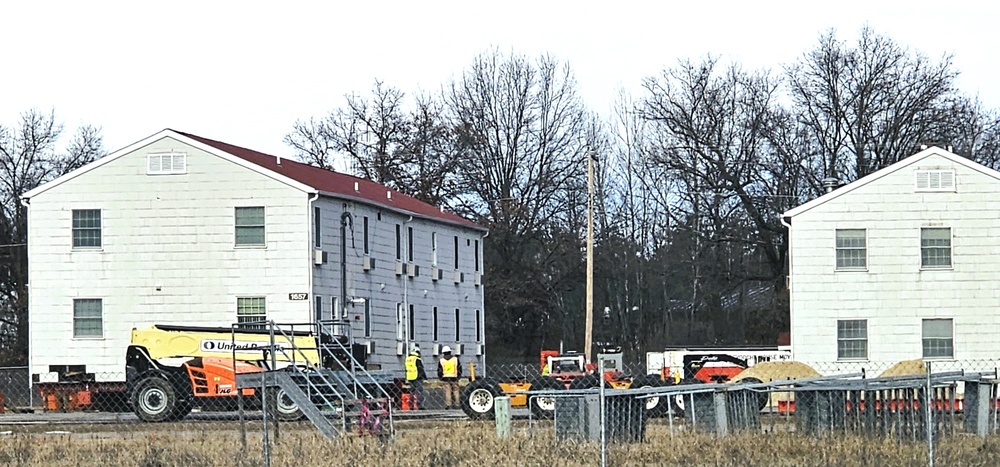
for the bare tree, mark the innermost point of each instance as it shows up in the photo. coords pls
(414, 151)
(431, 150)
(713, 128)
(869, 105)
(967, 128)
(526, 134)
(28, 158)
(367, 130)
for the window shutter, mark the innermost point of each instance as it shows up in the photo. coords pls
(923, 180)
(155, 165)
(948, 180)
(167, 163)
(935, 180)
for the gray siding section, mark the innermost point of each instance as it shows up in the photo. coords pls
(384, 289)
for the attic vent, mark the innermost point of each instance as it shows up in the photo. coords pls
(935, 180)
(166, 163)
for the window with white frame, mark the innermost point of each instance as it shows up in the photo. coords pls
(852, 339)
(317, 227)
(935, 247)
(479, 326)
(88, 318)
(458, 326)
(368, 317)
(852, 251)
(166, 163)
(409, 244)
(935, 180)
(434, 318)
(399, 244)
(251, 312)
(411, 324)
(400, 322)
(476, 249)
(319, 308)
(335, 307)
(86, 228)
(938, 338)
(434, 248)
(365, 233)
(250, 226)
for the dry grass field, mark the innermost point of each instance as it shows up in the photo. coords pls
(458, 443)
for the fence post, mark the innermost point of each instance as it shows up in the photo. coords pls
(930, 420)
(721, 421)
(982, 409)
(501, 407)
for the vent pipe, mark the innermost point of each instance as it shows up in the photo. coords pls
(830, 184)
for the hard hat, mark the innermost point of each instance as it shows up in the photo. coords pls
(415, 349)
(446, 349)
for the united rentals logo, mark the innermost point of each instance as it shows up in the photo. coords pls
(219, 345)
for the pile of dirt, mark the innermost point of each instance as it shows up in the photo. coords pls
(906, 368)
(777, 371)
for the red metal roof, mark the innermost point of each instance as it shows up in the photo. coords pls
(336, 183)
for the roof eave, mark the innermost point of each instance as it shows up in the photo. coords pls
(359, 199)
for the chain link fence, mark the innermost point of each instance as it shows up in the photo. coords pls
(642, 418)
(15, 388)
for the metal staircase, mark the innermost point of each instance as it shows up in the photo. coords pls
(332, 394)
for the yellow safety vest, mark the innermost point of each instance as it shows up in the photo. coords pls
(545, 370)
(449, 367)
(411, 367)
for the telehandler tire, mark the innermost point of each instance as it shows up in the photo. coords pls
(155, 400)
(282, 406)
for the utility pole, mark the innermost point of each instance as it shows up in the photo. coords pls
(589, 328)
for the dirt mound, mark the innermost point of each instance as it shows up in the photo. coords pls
(905, 368)
(777, 371)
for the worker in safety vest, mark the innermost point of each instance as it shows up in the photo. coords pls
(415, 377)
(449, 372)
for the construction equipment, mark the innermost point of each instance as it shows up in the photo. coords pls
(172, 369)
(700, 365)
(559, 371)
(710, 364)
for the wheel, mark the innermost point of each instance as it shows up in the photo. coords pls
(282, 406)
(762, 398)
(585, 382)
(543, 406)
(655, 406)
(680, 400)
(478, 398)
(155, 400)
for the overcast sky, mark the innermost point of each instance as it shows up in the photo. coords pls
(244, 72)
